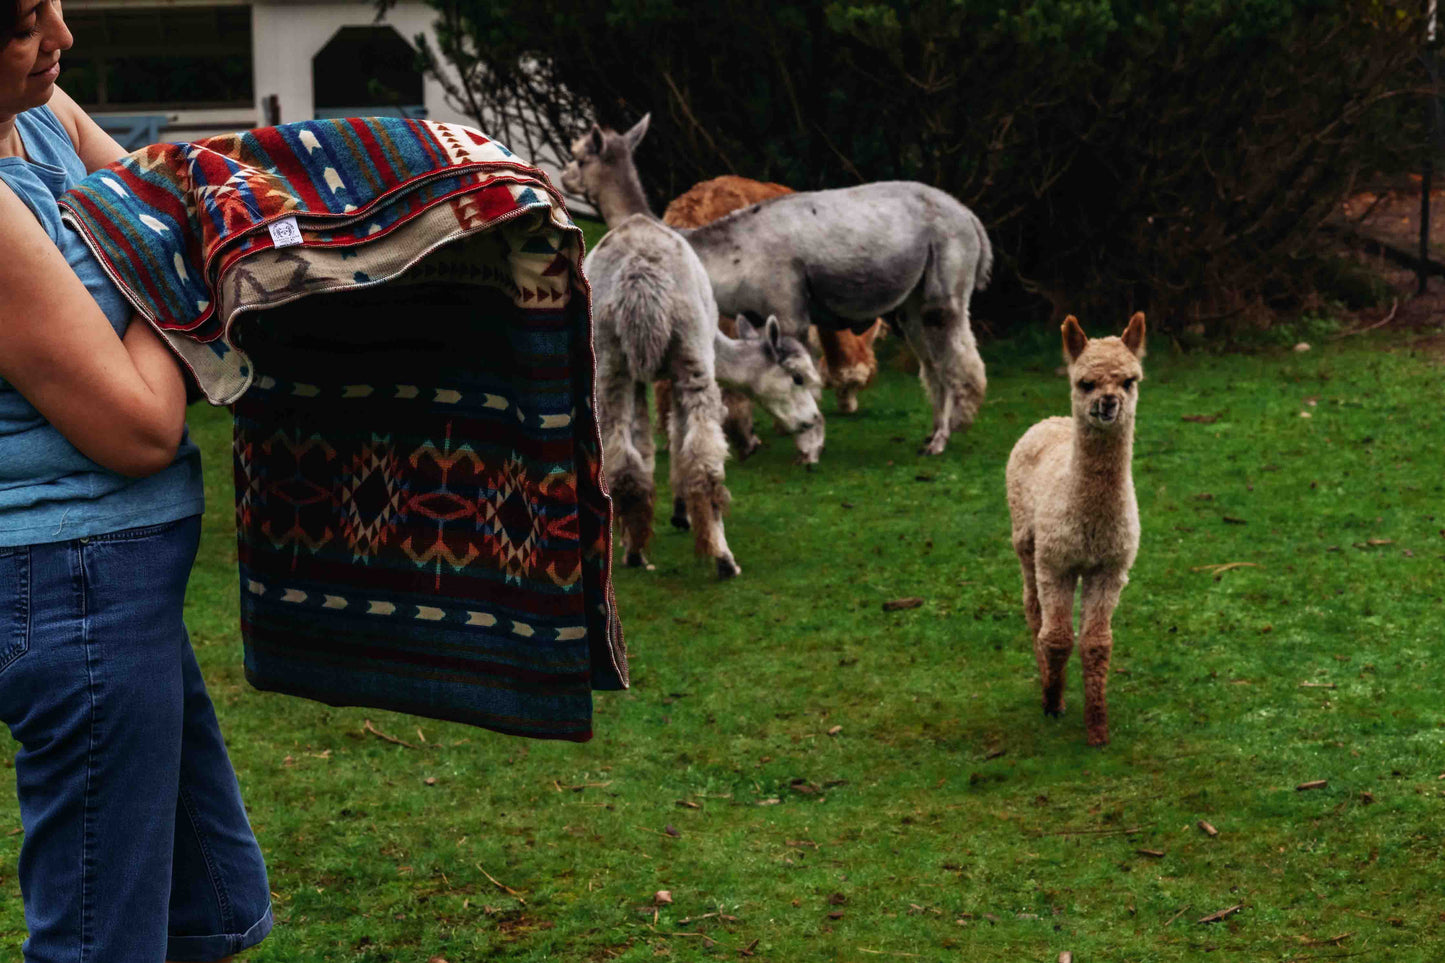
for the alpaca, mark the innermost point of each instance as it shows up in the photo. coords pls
(654, 314)
(773, 368)
(1075, 518)
(848, 365)
(841, 258)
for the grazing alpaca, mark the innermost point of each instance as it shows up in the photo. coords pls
(765, 364)
(654, 315)
(702, 204)
(1071, 497)
(842, 258)
(848, 364)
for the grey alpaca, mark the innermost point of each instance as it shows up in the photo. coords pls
(842, 258)
(654, 316)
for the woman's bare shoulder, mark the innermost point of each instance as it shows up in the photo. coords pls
(95, 147)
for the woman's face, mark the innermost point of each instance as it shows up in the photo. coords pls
(30, 56)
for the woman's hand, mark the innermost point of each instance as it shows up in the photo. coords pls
(120, 402)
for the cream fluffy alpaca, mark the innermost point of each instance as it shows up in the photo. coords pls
(1071, 497)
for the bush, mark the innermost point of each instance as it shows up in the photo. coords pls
(1173, 156)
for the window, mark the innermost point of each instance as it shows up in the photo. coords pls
(151, 58)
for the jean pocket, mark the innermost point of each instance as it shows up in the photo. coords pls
(14, 604)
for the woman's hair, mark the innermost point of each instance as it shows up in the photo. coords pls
(9, 16)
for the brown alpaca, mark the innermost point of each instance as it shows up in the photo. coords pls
(1075, 519)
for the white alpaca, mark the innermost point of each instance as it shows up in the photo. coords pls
(654, 316)
(1075, 518)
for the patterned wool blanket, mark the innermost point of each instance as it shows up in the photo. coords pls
(397, 314)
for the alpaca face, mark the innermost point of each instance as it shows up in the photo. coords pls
(782, 377)
(1104, 374)
(597, 155)
(582, 175)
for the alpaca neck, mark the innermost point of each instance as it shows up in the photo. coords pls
(1101, 463)
(729, 366)
(622, 197)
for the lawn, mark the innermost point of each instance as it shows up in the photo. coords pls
(810, 777)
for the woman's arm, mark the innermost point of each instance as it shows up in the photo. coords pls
(95, 147)
(120, 402)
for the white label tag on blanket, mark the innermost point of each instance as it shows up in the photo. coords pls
(285, 233)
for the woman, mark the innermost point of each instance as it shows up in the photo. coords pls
(137, 848)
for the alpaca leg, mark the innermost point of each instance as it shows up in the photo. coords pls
(959, 366)
(662, 395)
(699, 450)
(1033, 614)
(738, 423)
(1056, 637)
(1096, 644)
(924, 343)
(628, 472)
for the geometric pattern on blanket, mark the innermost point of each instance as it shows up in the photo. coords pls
(422, 522)
(441, 488)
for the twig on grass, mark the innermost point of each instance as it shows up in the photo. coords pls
(502, 886)
(864, 949)
(366, 726)
(1318, 685)
(1187, 908)
(1222, 567)
(1097, 832)
(1216, 917)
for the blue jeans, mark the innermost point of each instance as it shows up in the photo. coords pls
(137, 848)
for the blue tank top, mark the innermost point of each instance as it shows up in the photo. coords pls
(49, 491)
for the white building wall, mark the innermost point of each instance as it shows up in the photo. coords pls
(286, 35)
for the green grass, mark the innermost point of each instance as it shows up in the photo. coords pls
(947, 819)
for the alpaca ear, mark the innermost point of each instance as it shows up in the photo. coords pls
(773, 332)
(1074, 339)
(635, 135)
(1134, 334)
(595, 139)
(746, 331)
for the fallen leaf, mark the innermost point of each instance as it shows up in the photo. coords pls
(1208, 829)
(1156, 853)
(769, 802)
(430, 780)
(662, 897)
(688, 804)
(837, 899)
(835, 730)
(912, 602)
(671, 830)
(1313, 784)
(1203, 419)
